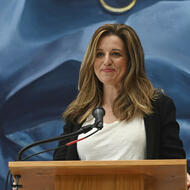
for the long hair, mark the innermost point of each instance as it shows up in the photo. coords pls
(137, 91)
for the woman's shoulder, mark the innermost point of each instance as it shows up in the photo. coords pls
(162, 100)
(71, 125)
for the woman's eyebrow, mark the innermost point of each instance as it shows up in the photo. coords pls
(115, 49)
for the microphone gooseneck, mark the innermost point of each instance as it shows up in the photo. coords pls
(98, 114)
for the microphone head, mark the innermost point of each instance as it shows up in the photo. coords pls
(98, 113)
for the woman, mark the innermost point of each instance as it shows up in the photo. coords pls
(112, 76)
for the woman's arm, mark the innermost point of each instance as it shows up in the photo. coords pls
(171, 145)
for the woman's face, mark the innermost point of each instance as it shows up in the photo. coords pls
(110, 64)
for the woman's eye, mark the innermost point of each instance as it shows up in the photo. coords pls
(116, 54)
(99, 54)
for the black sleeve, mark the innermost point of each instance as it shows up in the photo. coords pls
(60, 154)
(171, 145)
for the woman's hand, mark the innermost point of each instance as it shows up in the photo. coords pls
(13, 187)
(188, 181)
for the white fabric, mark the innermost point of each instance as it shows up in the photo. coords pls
(116, 141)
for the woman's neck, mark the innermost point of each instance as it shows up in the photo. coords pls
(109, 96)
(110, 93)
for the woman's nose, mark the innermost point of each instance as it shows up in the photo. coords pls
(107, 60)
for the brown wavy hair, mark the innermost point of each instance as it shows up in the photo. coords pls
(137, 91)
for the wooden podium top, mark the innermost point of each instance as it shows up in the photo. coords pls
(147, 167)
(171, 172)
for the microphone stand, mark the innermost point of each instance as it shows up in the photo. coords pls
(98, 113)
(84, 129)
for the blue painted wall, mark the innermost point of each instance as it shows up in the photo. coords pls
(42, 43)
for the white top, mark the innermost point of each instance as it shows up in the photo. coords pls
(116, 141)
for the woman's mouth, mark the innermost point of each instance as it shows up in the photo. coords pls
(107, 70)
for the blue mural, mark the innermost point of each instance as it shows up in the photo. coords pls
(42, 43)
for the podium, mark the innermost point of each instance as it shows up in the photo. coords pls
(101, 175)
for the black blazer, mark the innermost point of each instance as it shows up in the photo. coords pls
(162, 134)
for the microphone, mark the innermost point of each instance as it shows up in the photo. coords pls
(98, 114)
